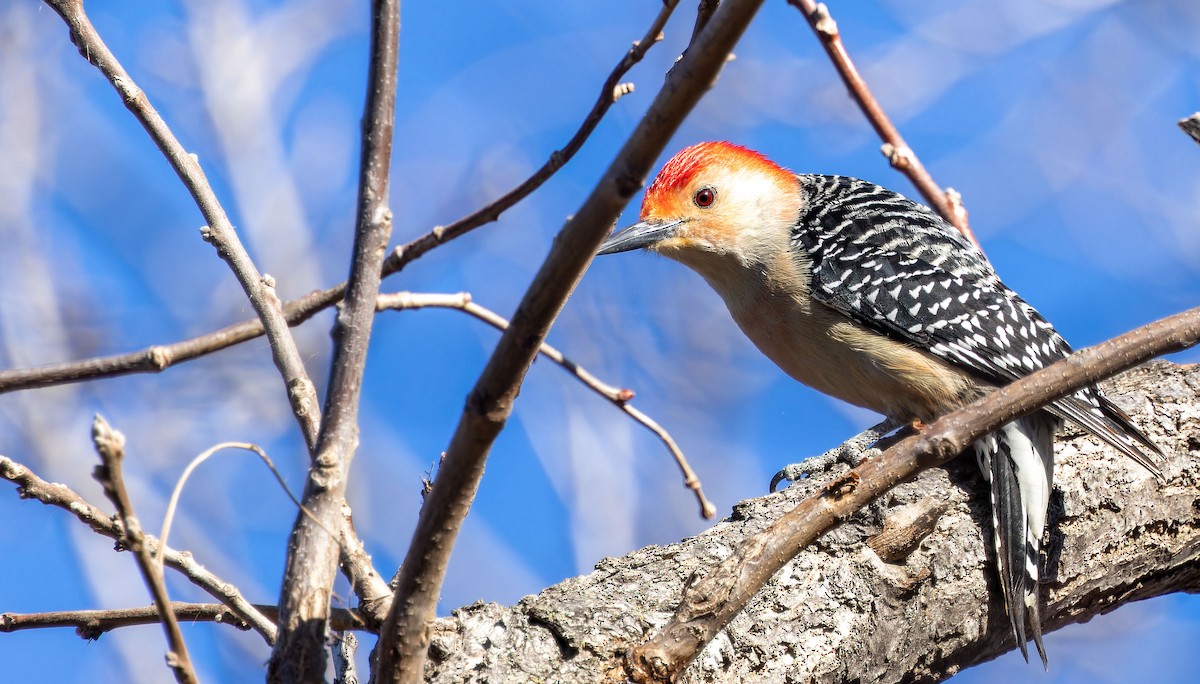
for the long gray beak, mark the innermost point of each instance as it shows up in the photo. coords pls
(640, 234)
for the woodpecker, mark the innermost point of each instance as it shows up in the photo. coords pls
(867, 296)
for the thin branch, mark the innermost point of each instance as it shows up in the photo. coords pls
(30, 486)
(404, 638)
(110, 444)
(92, 624)
(710, 602)
(620, 398)
(312, 553)
(899, 154)
(1191, 126)
(159, 357)
(259, 288)
(173, 502)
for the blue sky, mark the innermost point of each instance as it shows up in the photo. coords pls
(1055, 120)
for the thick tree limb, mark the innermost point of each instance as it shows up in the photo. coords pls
(714, 599)
(404, 638)
(838, 612)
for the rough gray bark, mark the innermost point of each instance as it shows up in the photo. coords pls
(838, 612)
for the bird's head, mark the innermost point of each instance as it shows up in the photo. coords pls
(714, 199)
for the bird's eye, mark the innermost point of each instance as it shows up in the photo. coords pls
(705, 197)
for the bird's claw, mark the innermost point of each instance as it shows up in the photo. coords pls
(850, 454)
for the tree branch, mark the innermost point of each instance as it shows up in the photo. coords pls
(838, 612)
(110, 444)
(159, 357)
(312, 555)
(92, 624)
(259, 288)
(404, 639)
(899, 154)
(710, 602)
(30, 486)
(374, 594)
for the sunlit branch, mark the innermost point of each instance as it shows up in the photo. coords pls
(948, 203)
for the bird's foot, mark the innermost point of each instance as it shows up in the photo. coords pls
(851, 452)
(851, 455)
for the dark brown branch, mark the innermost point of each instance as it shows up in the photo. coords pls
(618, 397)
(110, 444)
(30, 486)
(259, 288)
(92, 624)
(710, 602)
(404, 639)
(947, 203)
(313, 553)
(704, 12)
(1191, 126)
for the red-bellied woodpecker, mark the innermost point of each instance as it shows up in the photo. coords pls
(865, 295)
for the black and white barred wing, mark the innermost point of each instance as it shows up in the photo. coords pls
(899, 269)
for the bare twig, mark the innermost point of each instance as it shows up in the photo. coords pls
(710, 602)
(313, 553)
(110, 444)
(30, 486)
(618, 397)
(905, 527)
(91, 624)
(1191, 126)
(195, 462)
(259, 288)
(404, 638)
(898, 153)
